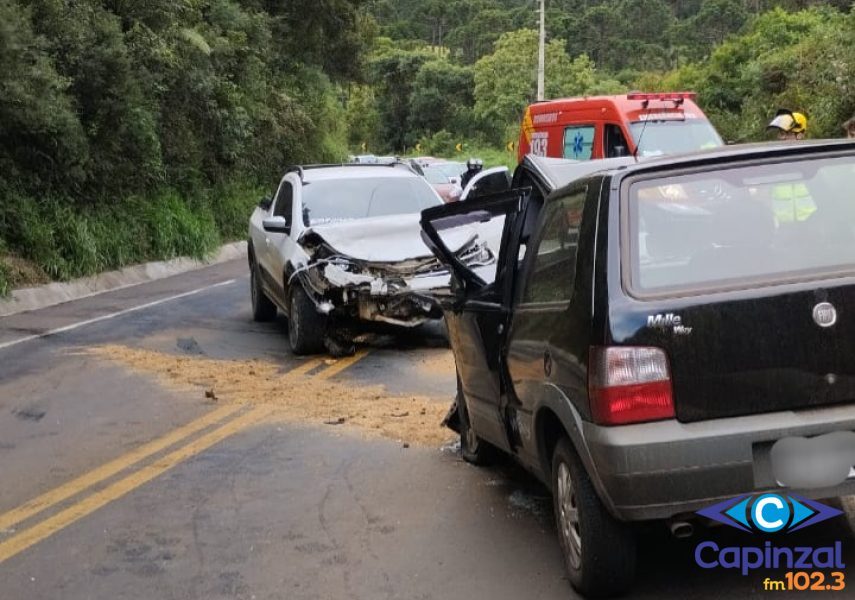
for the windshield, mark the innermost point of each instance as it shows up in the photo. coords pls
(674, 137)
(764, 223)
(332, 200)
(451, 169)
(435, 175)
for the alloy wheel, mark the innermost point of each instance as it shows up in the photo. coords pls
(568, 515)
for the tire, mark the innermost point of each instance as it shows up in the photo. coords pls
(306, 326)
(599, 551)
(263, 308)
(473, 449)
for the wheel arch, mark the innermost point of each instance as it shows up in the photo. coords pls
(554, 418)
(250, 252)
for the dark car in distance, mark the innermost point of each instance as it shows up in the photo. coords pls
(652, 330)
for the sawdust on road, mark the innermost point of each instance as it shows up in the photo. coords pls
(412, 419)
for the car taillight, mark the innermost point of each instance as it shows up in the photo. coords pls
(628, 384)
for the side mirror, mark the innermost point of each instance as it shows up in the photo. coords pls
(265, 203)
(276, 225)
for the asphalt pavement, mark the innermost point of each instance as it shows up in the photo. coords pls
(119, 481)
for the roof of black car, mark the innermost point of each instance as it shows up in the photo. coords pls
(561, 172)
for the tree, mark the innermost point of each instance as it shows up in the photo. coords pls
(714, 22)
(441, 98)
(393, 74)
(505, 81)
(42, 144)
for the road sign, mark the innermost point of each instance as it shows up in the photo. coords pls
(418, 147)
(364, 146)
(510, 146)
(459, 147)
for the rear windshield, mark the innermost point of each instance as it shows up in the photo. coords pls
(435, 175)
(328, 201)
(763, 223)
(655, 138)
(451, 169)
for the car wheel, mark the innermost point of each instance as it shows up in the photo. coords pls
(599, 550)
(472, 448)
(306, 326)
(262, 307)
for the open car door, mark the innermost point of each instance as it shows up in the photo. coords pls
(488, 181)
(478, 311)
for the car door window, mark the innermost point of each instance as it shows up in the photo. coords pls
(615, 142)
(471, 237)
(284, 201)
(553, 266)
(579, 142)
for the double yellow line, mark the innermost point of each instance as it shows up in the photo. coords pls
(227, 421)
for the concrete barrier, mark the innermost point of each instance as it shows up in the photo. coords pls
(33, 298)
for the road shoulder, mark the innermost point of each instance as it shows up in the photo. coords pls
(34, 298)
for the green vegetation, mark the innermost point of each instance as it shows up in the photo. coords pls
(134, 131)
(746, 58)
(143, 130)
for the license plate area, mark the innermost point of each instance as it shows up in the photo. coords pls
(816, 462)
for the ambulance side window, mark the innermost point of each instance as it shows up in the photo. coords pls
(579, 142)
(615, 142)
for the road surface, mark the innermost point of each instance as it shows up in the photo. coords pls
(155, 442)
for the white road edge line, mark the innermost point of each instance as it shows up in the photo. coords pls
(120, 313)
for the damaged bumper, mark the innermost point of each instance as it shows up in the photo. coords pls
(399, 293)
(370, 298)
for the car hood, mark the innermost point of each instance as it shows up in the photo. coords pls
(383, 239)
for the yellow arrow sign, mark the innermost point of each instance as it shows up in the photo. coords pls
(459, 147)
(418, 147)
(364, 146)
(510, 146)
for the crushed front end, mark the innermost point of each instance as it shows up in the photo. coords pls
(401, 293)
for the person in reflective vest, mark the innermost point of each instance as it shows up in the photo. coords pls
(791, 202)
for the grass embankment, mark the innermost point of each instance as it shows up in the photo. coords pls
(42, 240)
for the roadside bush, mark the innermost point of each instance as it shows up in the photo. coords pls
(231, 205)
(174, 228)
(5, 285)
(5, 275)
(67, 242)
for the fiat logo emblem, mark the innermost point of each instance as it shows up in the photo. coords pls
(825, 314)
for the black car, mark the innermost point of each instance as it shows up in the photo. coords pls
(652, 329)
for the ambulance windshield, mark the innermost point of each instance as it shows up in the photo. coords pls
(674, 137)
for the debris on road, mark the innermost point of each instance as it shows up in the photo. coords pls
(189, 345)
(437, 362)
(296, 398)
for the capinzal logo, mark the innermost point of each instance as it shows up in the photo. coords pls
(770, 513)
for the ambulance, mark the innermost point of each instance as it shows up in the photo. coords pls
(639, 124)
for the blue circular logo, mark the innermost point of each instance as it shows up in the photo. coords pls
(770, 513)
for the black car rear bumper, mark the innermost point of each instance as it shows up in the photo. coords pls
(664, 469)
